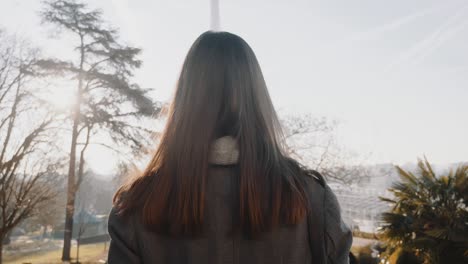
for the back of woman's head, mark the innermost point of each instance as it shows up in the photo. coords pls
(221, 91)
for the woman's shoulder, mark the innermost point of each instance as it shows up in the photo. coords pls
(318, 189)
(317, 185)
(325, 206)
(124, 244)
(309, 175)
(315, 177)
(119, 218)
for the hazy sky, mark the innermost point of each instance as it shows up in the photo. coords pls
(394, 73)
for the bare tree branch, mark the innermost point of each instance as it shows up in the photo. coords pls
(312, 140)
(24, 165)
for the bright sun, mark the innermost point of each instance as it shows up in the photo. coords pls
(60, 97)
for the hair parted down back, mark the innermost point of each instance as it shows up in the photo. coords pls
(221, 91)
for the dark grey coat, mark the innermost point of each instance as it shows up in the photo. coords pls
(321, 238)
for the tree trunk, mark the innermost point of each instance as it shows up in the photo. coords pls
(71, 192)
(72, 185)
(1, 248)
(44, 231)
(77, 251)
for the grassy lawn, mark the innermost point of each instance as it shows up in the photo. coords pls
(93, 253)
(88, 254)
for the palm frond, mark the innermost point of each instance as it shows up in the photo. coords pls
(429, 214)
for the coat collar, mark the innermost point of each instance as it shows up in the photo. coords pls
(224, 151)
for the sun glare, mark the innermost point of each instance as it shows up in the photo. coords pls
(61, 98)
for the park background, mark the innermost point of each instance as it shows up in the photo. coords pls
(361, 87)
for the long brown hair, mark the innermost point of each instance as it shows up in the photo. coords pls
(221, 91)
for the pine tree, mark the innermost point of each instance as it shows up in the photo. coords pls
(107, 102)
